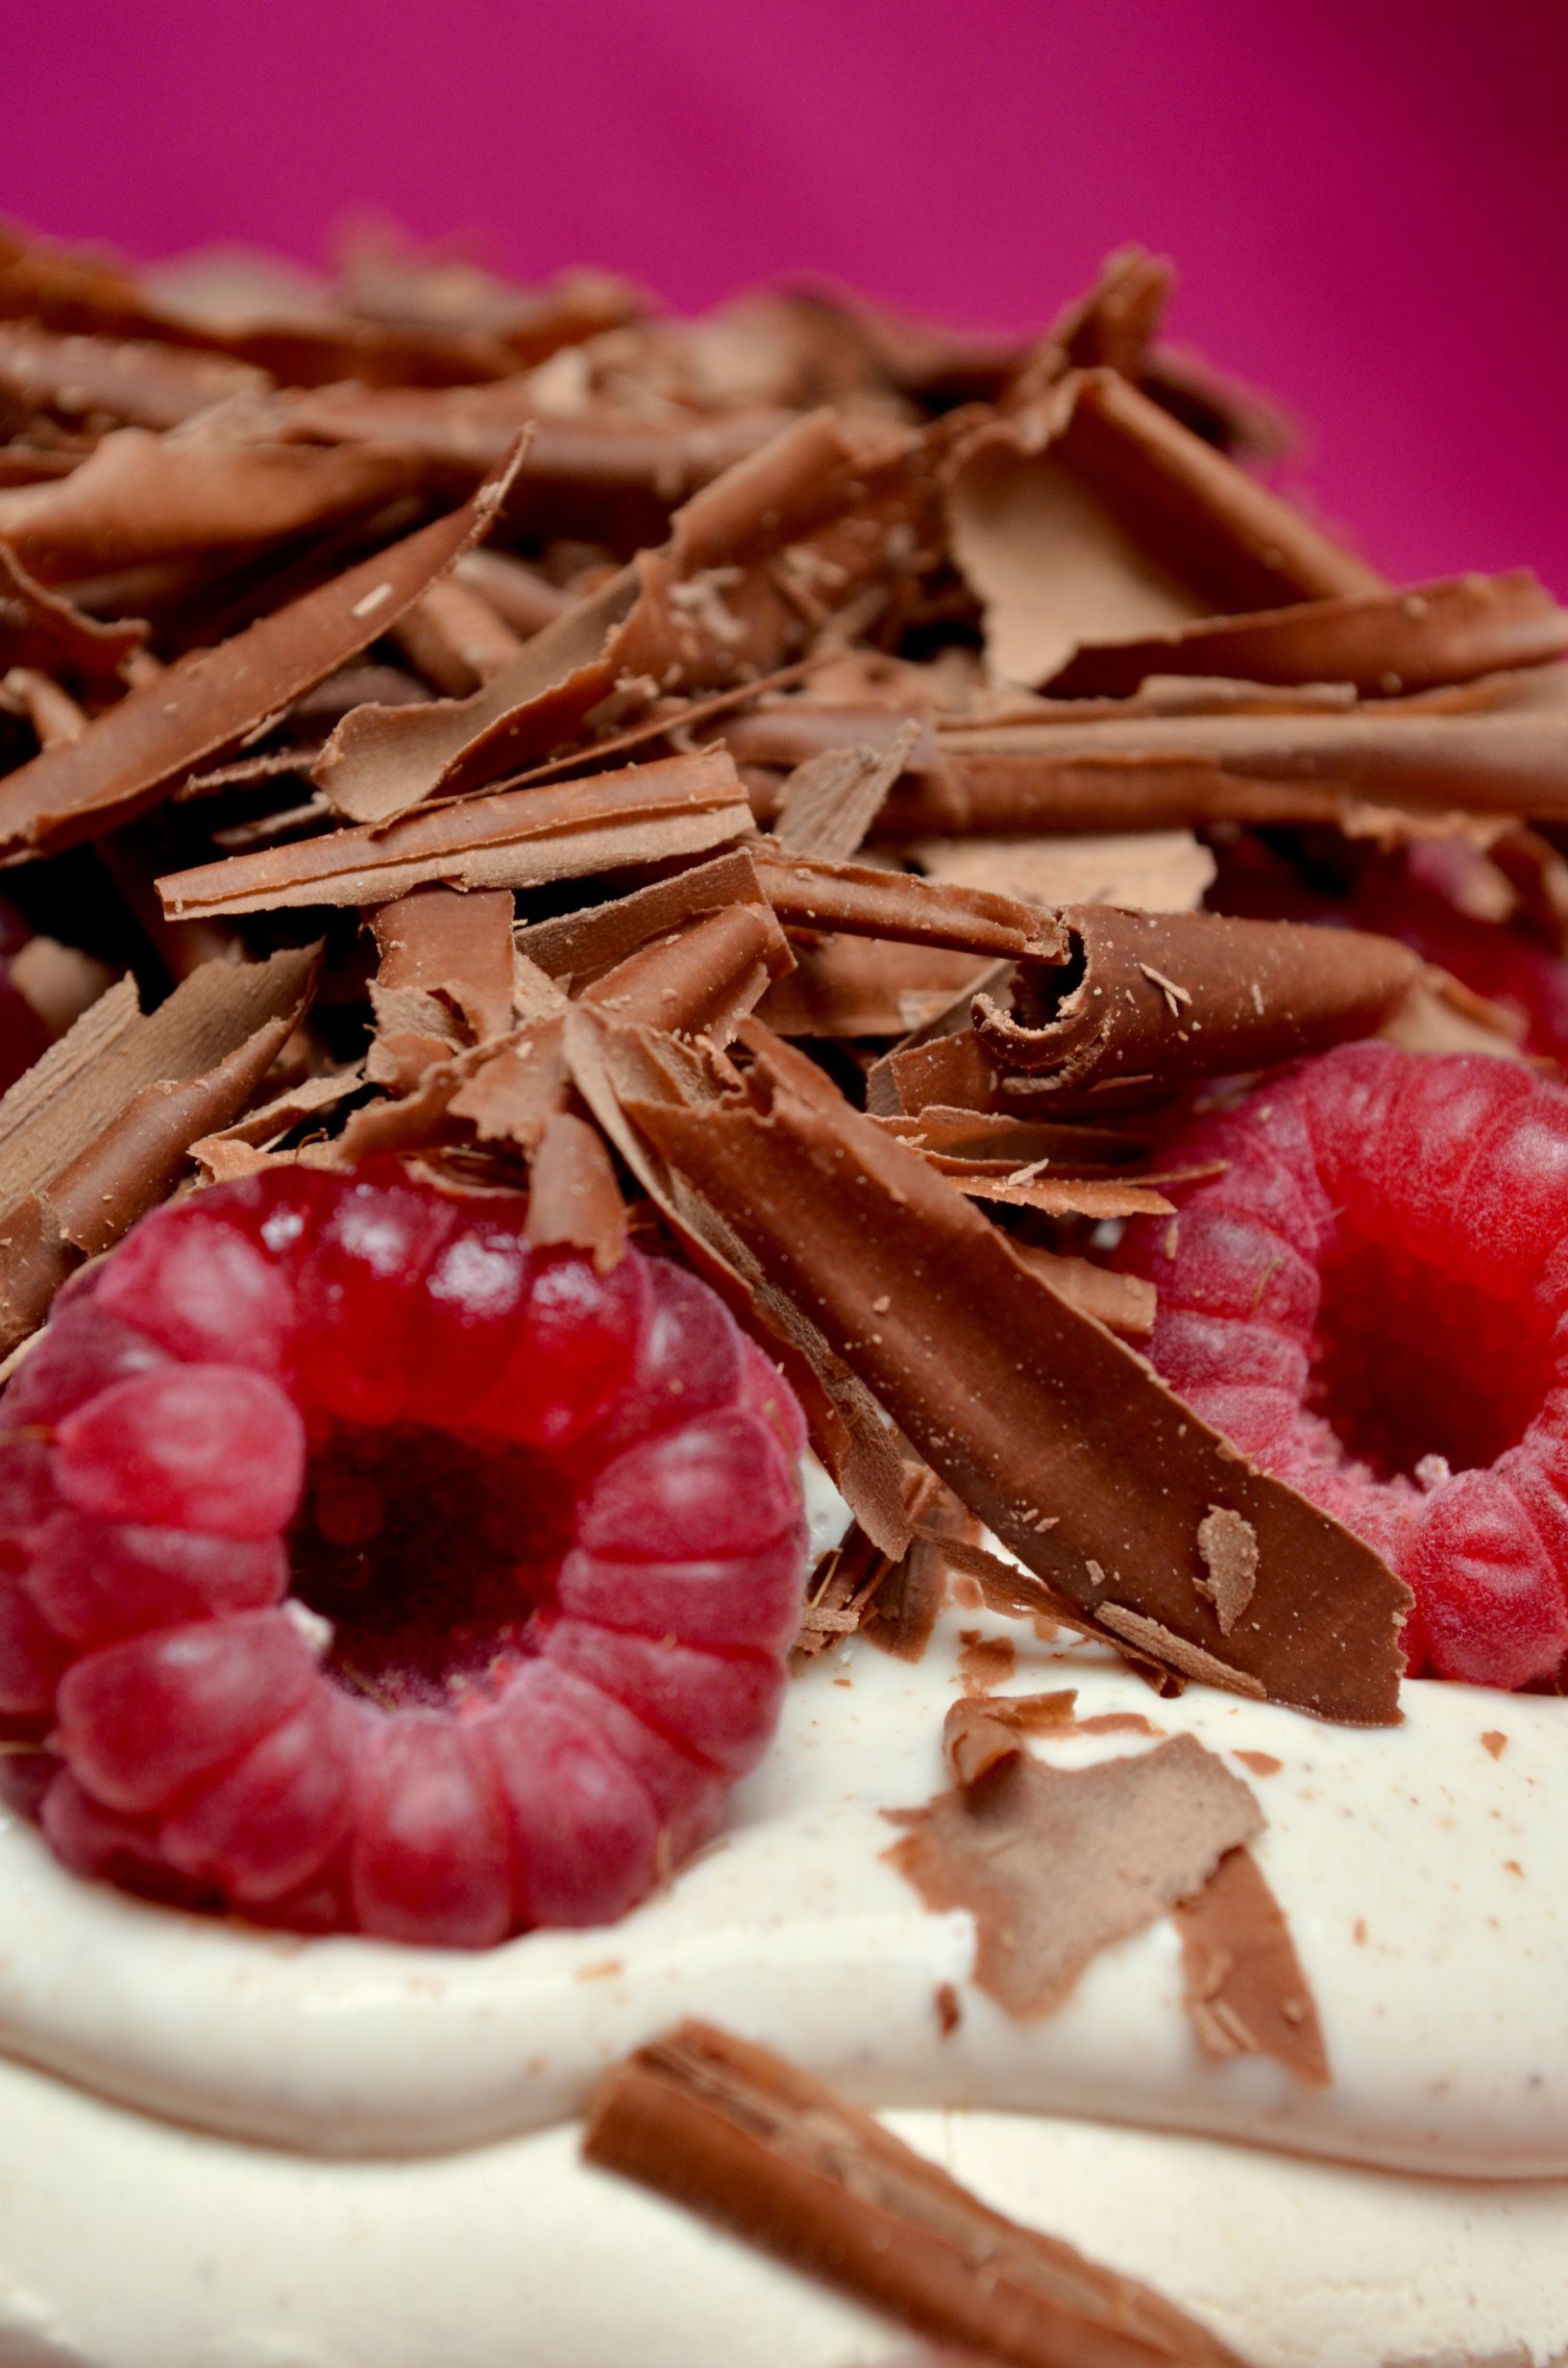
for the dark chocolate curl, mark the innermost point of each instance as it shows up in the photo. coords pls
(1063, 1442)
(1158, 998)
(744, 2139)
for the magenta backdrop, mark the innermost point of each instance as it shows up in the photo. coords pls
(1367, 198)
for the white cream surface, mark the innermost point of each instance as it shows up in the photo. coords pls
(1425, 1879)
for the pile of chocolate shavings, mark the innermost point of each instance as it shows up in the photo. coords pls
(752, 783)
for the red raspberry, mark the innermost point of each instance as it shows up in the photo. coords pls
(1370, 1301)
(363, 1569)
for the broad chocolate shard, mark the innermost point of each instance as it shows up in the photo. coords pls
(745, 2140)
(1092, 515)
(1056, 1863)
(516, 839)
(206, 702)
(1030, 1412)
(1160, 996)
(1382, 641)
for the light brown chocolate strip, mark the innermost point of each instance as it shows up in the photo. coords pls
(455, 949)
(1032, 1413)
(580, 945)
(1382, 641)
(969, 1138)
(701, 979)
(809, 892)
(141, 497)
(520, 838)
(1246, 1992)
(1055, 1864)
(42, 628)
(848, 987)
(1146, 772)
(100, 1129)
(574, 1199)
(981, 1731)
(741, 2136)
(455, 639)
(828, 804)
(206, 702)
(1171, 995)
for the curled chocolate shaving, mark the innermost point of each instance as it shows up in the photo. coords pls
(574, 1199)
(134, 384)
(746, 2140)
(1032, 1413)
(1168, 996)
(42, 628)
(701, 979)
(1382, 641)
(515, 839)
(206, 702)
(811, 894)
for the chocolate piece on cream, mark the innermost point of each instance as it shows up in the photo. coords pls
(1056, 1863)
(738, 2134)
(1246, 1992)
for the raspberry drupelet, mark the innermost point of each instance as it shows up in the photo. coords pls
(362, 1568)
(1372, 1303)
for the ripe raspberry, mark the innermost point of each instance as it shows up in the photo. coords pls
(363, 1569)
(1370, 1302)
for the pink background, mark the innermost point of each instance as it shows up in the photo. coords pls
(1367, 198)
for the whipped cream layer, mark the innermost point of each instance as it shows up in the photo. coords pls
(1425, 1880)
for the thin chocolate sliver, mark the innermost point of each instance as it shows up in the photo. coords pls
(574, 1199)
(206, 702)
(746, 2140)
(1032, 1413)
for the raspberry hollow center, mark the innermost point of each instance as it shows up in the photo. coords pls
(427, 1554)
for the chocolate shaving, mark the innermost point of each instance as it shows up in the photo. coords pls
(1148, 871)
(702, 978)
(141, 497)
(42, 628)
(134, 384)
(858, 899)
(579, 945)
(1245, 1989)
(1094, 516)
(1170, 995)
(849, 987)
(456, 638)
(810, 512)
(1028, 1410)
(1056, 1865)
(100, 1129)
(1382, 641)
(515, 839)
(574, 1199)
(830, 802)
(454, 950)
(741, 2136)
(206, 702)
(977, 1734)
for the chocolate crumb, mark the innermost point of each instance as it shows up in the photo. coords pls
(1229, 1546)
(1495, 1741)
(949, 2010)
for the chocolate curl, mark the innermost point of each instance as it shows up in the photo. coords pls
(43, 630)
(700, 980)
(862, 902)
(1094, 515)
(581, 945)
(141, 497)
(812, 510)
(209, 700)
(748, 2141)
(1062, 1442)
(574, 1199)
(1152, 998)
(99, 1130)
(828, 804)
(519, 838)
(1382, 641)
(456, 638)
(1146, 772)
(138, 386)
